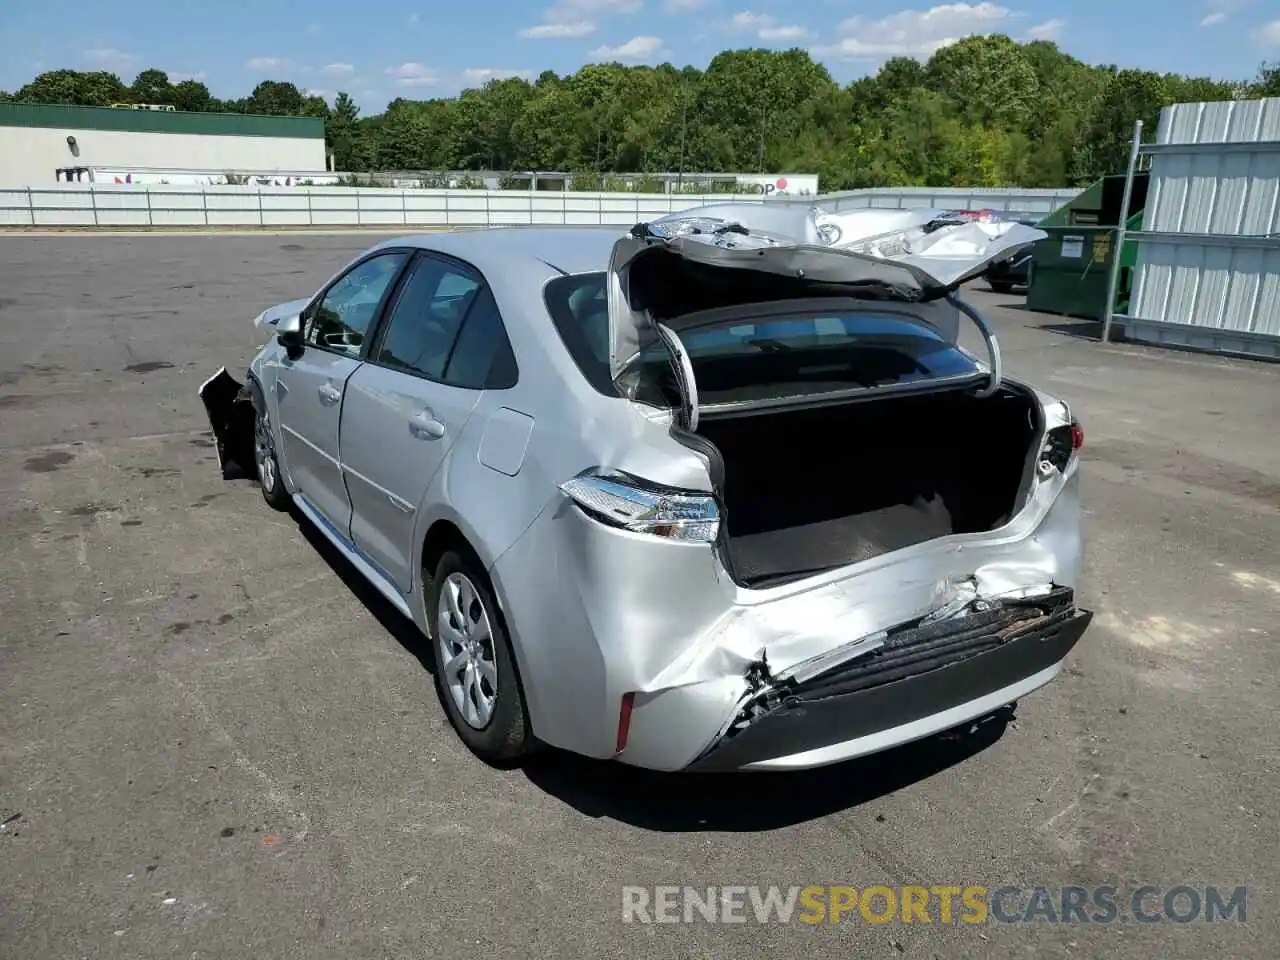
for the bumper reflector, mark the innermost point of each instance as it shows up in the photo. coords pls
(624, 720)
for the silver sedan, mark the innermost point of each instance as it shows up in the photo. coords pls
(719, 492)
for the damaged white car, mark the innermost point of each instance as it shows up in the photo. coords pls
(722, 492)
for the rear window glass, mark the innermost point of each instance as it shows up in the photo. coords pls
(806, 351)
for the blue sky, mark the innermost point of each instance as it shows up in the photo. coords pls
(429, 48)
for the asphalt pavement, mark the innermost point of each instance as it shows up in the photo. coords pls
(215, 742)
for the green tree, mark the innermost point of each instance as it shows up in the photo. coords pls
(274, 97)
(1267, 83)
(1104, 140)
(96, 88)
(345, 136)
(194, 96)
(984, 111)
(989, 78)
(152, 86)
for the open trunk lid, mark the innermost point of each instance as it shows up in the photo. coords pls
(774, 252)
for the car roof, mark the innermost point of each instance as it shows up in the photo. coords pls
(568, 250)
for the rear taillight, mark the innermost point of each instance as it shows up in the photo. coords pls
(1060, 446)
(632, 504)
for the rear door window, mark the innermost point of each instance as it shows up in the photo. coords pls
(426, 316)
(444, 325)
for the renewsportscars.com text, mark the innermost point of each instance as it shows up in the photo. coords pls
(941, 904)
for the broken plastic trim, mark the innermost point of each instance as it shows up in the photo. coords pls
(229, 405)
(906, 651)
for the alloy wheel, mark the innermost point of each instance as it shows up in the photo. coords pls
(264, 453)
(467, 661)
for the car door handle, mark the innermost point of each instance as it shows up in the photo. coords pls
(329, 394)
(425, 426)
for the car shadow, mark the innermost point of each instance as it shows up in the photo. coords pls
(685, 803)
(1079, 329)
(392, 620)
(750, 802)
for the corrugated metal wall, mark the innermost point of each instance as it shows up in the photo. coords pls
(1208, 264)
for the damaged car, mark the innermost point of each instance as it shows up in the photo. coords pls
(721, 492)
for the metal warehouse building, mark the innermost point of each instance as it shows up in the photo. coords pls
(44, 143)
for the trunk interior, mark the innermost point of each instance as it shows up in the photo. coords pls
(808, 490)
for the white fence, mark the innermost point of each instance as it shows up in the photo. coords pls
(1017, 199)
(175, 205)
(85, 205)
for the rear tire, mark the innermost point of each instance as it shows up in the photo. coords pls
(475, 671)
(1001, 286)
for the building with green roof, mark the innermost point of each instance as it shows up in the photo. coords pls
(44, 143)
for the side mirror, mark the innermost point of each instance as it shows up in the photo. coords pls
(289, 335)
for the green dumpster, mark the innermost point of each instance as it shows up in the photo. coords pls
(1070, 267)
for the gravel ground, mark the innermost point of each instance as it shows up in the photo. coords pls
(218, 743)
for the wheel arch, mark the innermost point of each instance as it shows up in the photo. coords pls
(444, 534)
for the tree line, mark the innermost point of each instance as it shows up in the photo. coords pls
(984, 112)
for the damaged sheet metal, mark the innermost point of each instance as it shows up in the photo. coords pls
(913, 256)
(919, 652)
(796, 630)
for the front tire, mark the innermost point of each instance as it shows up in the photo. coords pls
(475, 673)
(267, 464)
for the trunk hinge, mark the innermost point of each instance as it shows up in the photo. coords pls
(989, 337)
(684, 373)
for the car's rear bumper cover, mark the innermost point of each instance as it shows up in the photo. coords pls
(942, 676)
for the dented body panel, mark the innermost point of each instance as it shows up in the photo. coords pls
(597, 613)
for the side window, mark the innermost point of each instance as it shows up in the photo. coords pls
(426, 316)
(482, 357)
(342, 318)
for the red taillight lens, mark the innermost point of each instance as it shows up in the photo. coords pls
(1077, 435)
(624, 720)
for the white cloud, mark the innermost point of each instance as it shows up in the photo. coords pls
(1049, 30)
(683, 6)
(313, 28)
(111, 59)
(338, 69)
(1217, 11)
(479, 76)
(633, 51)
(1269, 33)
(766, 27)
(178, 76)
(573, 19)
(413, 75)
(325, 94)
(783, 33)
(266, 64)
(915, 33)
(414, 19)
(559, 31)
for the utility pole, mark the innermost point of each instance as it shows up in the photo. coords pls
(760, 163)
(684, 128)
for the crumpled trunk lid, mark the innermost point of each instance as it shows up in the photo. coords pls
(912, 256)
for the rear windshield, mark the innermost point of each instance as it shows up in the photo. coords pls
(808, 352)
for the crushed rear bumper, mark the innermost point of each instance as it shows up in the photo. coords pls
(927, 677)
